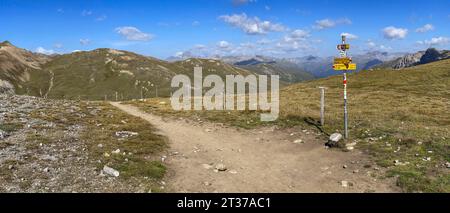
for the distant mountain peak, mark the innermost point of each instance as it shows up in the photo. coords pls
(255, 61)
(413, 59)
(431, 55)
(311, 57)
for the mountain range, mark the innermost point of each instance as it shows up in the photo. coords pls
(109, 74)
(99, 74)
(306, 67)
(319, 67)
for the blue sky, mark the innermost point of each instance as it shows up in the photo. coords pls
(226, 27)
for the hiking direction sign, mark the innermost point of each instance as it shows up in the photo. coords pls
(343, 63)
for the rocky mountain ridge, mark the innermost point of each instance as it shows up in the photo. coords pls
(421, 57)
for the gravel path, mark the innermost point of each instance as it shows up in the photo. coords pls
(260, 160)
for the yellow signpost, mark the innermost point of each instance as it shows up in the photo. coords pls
(344, 64)
(339, 67)
(342, 60)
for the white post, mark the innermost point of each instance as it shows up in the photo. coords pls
(322, 106)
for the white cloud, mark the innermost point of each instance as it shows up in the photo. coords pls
(195, 23)
(373, 46)
(425, 28)
(328, 23)
(199, 47)
(299, 34)
(392, 32)
(44, 51)
(264, 41)
(86, 13)
(223, 45)
(60, 10)
(294, 41)
(198, 50)
(247, 45)
(267, 7)
(85, 41)
(251, 26)
(349, 36)
(292, 46)
(179, 54)
(435, 41)
(183, 54)
(325, 23)
(101, 18)
(382, 47)
(296, 35)
(133, 34)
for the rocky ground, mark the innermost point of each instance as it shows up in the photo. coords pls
(72, 146)
(42, 149)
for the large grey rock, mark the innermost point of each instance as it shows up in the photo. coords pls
(298, 141)
(335, 137)
(221, 167)
(110, 171)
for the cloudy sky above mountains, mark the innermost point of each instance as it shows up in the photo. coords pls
(226, 27)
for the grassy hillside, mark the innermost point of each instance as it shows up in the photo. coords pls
(94, 74)
(17, 64)
(210, 67)
(400, 117)
(395, 115)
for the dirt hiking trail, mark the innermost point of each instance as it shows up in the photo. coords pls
(259, 160)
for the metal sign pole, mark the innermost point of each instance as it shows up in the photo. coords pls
(344, 64)
(344, 53)
(345, 106)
